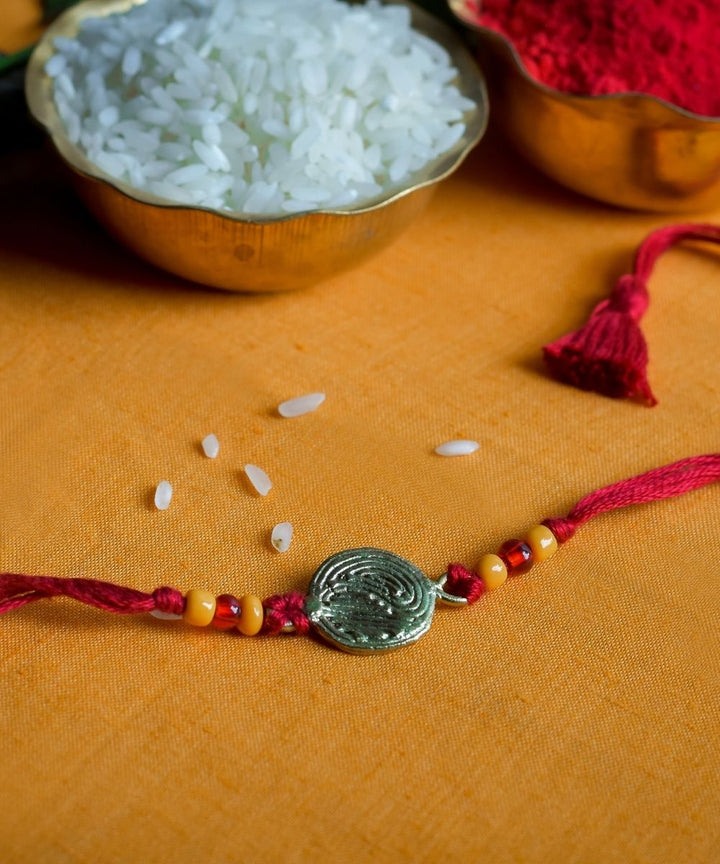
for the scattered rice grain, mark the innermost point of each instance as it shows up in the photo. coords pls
(211, 446)
(457, 448)
(301, 405)
(163, 495)
(259, 479)
(281, 536)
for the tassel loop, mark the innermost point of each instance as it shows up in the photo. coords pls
(168, 600)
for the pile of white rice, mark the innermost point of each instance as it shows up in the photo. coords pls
(259, 106)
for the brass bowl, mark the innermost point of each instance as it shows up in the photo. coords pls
(628, 149)
(227, 249)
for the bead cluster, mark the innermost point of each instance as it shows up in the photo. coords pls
(515, 557)
(203, 609)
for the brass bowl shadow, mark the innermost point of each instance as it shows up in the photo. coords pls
(627, 149)
(231, 250)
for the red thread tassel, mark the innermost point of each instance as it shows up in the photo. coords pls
(609, 354)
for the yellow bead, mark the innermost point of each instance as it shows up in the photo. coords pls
(199, 608)
(492, 571)
(251, 615)
(542, 542)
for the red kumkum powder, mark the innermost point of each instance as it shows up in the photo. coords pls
(667, 48)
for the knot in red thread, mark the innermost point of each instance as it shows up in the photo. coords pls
(283, 610)
(630, 296)
(563, 529)
(168, 600)
(462, 582)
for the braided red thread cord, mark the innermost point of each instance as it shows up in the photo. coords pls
(609, 354)
(17, 590)
(669, 481)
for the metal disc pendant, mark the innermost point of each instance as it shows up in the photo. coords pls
(367, 600)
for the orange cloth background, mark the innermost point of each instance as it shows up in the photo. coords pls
(570, 717)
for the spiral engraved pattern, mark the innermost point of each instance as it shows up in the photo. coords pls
(366, 600)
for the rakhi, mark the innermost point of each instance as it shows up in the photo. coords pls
(368, 600)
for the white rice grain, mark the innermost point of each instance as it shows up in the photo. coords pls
(108, 116)
(187, 174)
(171, 32)
(55, 65)
(301, 405)
(163, 495)
(457, 448)
(281, 536)
(165, 616)
(159, 116)
(131, 61)
(211, 446)
(259, 479)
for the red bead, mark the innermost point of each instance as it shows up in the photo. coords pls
(227, 611)
(517, 557)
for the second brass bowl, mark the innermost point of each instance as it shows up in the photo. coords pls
(628, 149)
(233, 251)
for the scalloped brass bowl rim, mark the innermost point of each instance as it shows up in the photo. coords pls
(38, 92)
(509, 48)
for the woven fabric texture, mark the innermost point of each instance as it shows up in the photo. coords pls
(569, 717)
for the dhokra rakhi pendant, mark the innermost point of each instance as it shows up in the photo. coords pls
(368, 600)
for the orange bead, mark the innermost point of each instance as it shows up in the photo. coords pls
(199, 608)
(492, 570)
(227, 612)
(252, 615)
(542, 542)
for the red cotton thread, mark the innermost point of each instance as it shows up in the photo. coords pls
(609, 355)
(286, 610)
(669, 481)
(664, 48)
(17, 590)
(464, 583)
